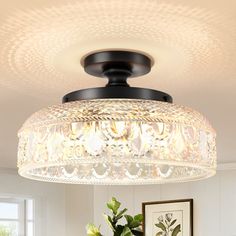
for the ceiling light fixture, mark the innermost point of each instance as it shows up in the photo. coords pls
(117, 134)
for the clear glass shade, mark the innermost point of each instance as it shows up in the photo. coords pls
(113, 141)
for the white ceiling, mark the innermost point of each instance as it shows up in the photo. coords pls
(193, 44)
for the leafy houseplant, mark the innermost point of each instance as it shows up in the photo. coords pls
(130, 228)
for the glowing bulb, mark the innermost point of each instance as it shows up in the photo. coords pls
(115, 129)
(118, 128)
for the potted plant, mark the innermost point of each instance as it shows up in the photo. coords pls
(130, 228)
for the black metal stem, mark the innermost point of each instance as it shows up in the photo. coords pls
(117, 77)
(117, 67)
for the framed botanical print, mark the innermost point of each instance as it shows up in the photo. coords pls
(168, 218)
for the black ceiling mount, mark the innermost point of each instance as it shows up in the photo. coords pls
(117, 67)
(113, 64)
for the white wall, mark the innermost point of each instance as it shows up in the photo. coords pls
(49, 201)
(214, 201)
(61, 210)
(79, 209)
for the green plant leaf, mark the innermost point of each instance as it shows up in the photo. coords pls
(129, 219)
(92, 230)
(119, 230)
(120, 214)
(159, 234)
(113, 205)
(134, 224)
(161, 226)
(129, 229)
(176, 230)
(109, 221)
(126, 232)
(138, 217)
(173, 222)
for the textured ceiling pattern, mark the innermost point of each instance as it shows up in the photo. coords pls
(43, 47)
(193, 44)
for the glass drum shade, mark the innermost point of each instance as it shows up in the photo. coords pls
(115, 141)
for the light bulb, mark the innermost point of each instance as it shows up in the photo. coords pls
(115, 129)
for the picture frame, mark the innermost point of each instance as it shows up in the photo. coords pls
(169, 218)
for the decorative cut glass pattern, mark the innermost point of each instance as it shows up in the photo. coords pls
(114, 141)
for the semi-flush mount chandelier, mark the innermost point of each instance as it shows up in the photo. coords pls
(117, 134)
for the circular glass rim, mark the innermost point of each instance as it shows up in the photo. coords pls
(206, 172)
